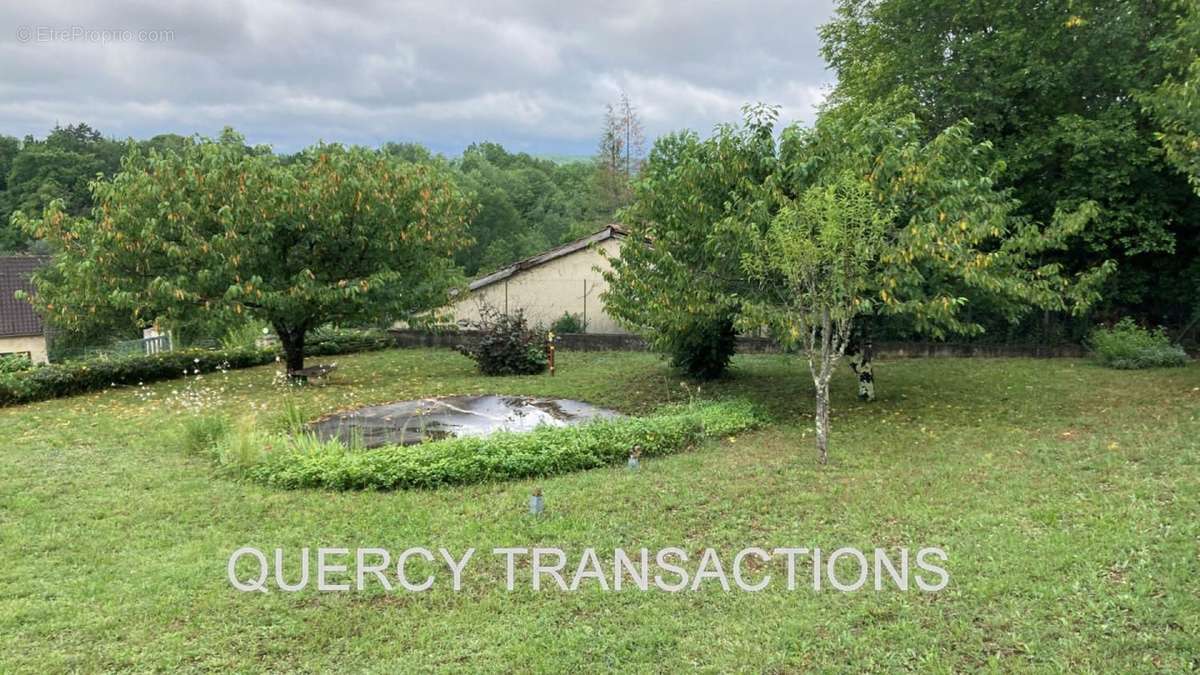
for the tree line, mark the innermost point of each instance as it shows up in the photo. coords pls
(91, 199)
(525, 204)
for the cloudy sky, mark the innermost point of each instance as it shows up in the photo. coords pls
(534, 75)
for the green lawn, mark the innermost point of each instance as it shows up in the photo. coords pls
(1065, 495)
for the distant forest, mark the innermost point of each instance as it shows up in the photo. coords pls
(525, 204)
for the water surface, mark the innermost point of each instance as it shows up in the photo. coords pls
(408, 422)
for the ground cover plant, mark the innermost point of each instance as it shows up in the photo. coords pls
(1064, 493)
(299, 459)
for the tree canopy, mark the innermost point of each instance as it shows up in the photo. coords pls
(35, 172)
(1055, 85)
(332, 235)
(859, 215)
(959, 235)
(526, 204)
(622, 150)
(1175, 103)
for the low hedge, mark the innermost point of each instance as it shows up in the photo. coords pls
(303, 462)
(78, 377)
(333, 342)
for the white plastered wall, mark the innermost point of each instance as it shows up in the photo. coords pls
(567, 284)
(34, 345)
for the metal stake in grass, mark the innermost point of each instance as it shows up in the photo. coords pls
(634, 456)
(536, 505)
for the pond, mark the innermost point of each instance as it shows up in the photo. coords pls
(409, 422)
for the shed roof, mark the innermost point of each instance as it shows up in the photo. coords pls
(17, 317)
(568, 248)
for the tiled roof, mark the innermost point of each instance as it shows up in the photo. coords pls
(17, 316)
(545, 257)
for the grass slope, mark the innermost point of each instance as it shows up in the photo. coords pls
(1066, 496)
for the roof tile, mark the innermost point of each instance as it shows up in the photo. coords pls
(17, 317)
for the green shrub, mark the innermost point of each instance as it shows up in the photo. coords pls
(507, 345)
(15, 363)
(569, 323)
(309, 463)
(702, 349)
(1128, 346)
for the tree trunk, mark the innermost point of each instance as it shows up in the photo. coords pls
(827, 342)
(822, 421)
(292, 341)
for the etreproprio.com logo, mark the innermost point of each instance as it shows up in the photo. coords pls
(86, 34)
(670, 569)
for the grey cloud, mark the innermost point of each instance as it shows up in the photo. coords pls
(532, 75)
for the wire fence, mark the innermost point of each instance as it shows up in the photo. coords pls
(144, 346)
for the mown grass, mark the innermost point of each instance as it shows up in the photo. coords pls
(1066, 496)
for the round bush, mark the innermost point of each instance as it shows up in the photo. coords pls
(703, 349)
(507, 345)
(1128, 346)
